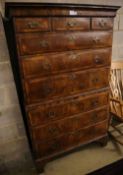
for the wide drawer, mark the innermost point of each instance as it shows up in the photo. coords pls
(72, 140)
(62, 24)
(102, 23)
(46, 113)
(32, 24)
(68, 125)
(35, 43)
(49, 64)
(63, 85)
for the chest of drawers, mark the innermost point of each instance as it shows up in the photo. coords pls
(61, 56)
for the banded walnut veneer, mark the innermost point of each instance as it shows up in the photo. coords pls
(61, 55)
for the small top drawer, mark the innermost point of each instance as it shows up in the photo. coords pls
(102, 23)
(32, 24)
(60, 24)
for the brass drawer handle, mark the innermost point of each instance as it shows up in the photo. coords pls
(47, 90)
(46, 65)
(95, 80)
(96, 40)
(53, 130)
(72, 76)
(51, 114)
(33, 25)
(73, 56)
(102, 23)
(43, 43)
(71, 23)
(98, 60)
(72, 38)
(94, 103)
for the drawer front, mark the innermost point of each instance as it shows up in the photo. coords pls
(32, 24)
(65, 84)
(67, 142)
(68, 125)
(29, 43)
(61, 24)
(102, 23)
(64, 108)
(49, 64)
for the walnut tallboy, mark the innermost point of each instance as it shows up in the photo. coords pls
(61, 56)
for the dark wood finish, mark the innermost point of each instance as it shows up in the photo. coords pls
(62, 56)
(63, 85)
(70, 23)
(50, 64)
(32, 24)
(61, 13)
(67, 125)
(49, 42)
(102, 23)
(52, 9)
(45, 113)
(68, 141)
